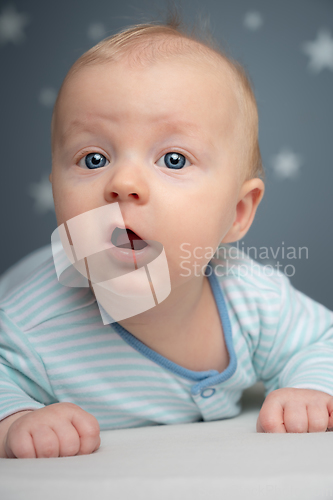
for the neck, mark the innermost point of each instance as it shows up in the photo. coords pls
(171, 319)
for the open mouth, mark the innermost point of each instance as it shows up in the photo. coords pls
(126, 238)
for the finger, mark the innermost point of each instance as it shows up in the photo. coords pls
(87, 427)
(330, 414)
(318, 418)
(98, 443)
(259, 426)
(295, 417)
(19, 444)
(69, 439)
(271, 416)
(46, 442)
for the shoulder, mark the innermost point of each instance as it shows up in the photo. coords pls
(253, 295)
(234, 268)
(253, 292)
(40, 297)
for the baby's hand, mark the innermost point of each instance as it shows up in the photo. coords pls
(296, 410)
(58, 430)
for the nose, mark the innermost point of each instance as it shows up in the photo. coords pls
(127, 183)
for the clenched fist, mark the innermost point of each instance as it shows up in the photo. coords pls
(58, 430)
(296, 410)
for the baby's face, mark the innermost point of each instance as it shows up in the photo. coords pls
(120, 132)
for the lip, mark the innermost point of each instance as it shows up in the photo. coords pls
(128, 255)
(122, 226)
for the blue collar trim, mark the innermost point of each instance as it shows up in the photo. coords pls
(205, 378)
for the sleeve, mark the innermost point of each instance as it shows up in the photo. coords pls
(24, 384)
(300, 353)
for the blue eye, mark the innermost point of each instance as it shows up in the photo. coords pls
(95, 160)
(174, 160)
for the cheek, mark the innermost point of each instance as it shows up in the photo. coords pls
(68, 202)
(195, 222)
(204, 223)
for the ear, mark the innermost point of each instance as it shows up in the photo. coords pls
(249, 198)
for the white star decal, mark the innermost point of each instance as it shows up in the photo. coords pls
(42, 194)
(320, 52)
(96, 31)
(11, 25)
(47, 97)
(253, 20)
(286, 164)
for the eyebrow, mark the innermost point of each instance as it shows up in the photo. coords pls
(167, 124)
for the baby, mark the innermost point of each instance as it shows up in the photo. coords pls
(166, 126)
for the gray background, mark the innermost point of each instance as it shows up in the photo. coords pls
(295, 109)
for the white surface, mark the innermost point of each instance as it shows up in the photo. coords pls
(204, 460)
(225, 459)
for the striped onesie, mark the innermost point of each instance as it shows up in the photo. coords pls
(55, 348)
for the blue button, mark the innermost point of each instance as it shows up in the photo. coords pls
(207, 393)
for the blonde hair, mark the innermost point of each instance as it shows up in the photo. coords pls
(148, 43)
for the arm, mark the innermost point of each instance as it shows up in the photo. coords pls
(24, 383)
(32, 423)
(298, 372)
(300, 348)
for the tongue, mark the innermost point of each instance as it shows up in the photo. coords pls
(135, 242)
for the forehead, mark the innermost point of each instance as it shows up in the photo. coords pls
(175, 93)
